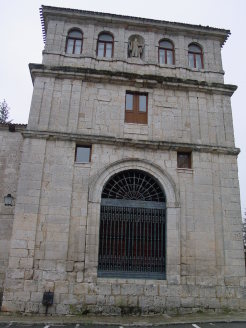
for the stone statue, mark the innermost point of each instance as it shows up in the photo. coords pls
(135, 48)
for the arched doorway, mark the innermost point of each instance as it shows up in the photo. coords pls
(132, 227)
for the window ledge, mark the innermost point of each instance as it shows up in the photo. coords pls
(192, 69)
(135, 124)
(135, 60)
(82, 163)
(183, 170)
(73, 55)
(104, 58)
(131, 280)
(167, 65)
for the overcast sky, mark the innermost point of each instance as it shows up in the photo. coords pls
(21, 43)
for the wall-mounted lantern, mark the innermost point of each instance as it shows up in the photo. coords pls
(9, 200)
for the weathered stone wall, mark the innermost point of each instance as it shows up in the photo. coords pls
(54, 53)
(77, 106)
(55, 241)
(55, 235)
(10, 151)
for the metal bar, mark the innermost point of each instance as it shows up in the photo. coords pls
(132, 242)
(110, 238)
(151, 234)
(132, 233)
(132, 203)
(132, 274)
(155, 238)
(136, 237)
(129, 236)
(125, 223)
(118, 234)
(113, 236)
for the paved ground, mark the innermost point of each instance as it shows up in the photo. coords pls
(197, 325)
(197, 320)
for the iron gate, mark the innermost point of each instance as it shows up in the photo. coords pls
(132, 234)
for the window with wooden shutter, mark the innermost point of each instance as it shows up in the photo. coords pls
(136, 107)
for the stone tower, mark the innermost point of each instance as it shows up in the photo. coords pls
(127, 196)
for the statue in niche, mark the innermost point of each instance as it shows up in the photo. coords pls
(135, 48)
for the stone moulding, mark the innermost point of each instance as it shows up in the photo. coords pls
(144, 80)
(128, 62)
(136, 143)
(98, 181)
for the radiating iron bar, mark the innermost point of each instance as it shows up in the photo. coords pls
(140, 186)
(126, 184)
(150, 186)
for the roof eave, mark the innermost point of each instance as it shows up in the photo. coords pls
(221, 34)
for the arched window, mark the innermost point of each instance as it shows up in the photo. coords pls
(132, 227)
(166, 52)
(105, 45)
(195, 56)
(74, 42)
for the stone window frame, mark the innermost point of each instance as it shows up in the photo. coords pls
(83, 146)
(113, 248)
(194, 55)
(74, 39)
(96, 184)
(105, 43)
(134, 115)
(172, 49)
(184, 163)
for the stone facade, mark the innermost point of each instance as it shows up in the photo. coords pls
(10, 152)
(79, 99)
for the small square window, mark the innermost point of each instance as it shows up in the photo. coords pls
(83, 154)
(184, 160)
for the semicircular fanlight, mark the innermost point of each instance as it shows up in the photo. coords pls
(133, 185)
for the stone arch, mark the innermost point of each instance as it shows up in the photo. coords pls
(98, 181)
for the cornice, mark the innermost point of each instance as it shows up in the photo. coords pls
(48, 12)
(126, 78)
(13, 127)
(127, 142)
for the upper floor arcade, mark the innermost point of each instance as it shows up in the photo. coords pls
(130, 44)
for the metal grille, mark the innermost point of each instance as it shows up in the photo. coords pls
(134, 185)
(132, 231)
